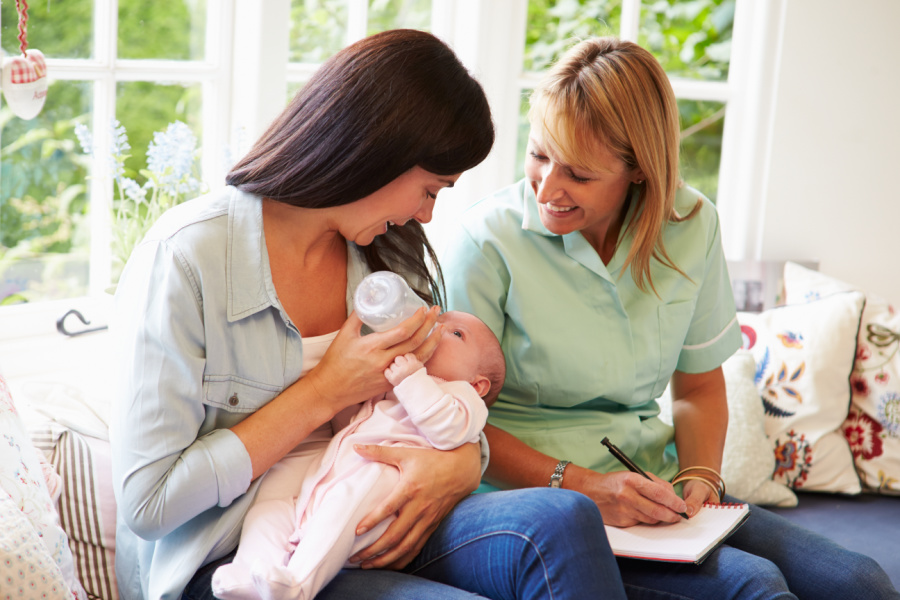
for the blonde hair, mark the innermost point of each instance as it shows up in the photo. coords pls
(613, 93)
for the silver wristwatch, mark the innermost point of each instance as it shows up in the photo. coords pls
(557, 477)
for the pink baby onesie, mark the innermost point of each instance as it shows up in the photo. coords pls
(291, 547)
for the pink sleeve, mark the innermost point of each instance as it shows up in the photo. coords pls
(448, 413)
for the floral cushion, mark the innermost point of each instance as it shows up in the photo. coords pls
(22, 481)
(747, 461)
(873, 425)
(27, 570)
(804, 356)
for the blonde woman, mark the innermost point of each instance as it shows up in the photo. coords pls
(604, 279)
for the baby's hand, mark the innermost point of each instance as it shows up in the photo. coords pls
(402, 367)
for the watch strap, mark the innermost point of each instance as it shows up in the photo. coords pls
(557, 478)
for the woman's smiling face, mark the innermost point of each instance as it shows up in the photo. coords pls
(570, 199)
(409, 196)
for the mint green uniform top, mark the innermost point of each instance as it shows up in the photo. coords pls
(587, 352)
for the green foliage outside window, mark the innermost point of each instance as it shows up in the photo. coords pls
(44, 220)
(44, 185)
(690, 38)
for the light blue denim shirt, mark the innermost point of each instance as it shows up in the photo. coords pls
(202, 342)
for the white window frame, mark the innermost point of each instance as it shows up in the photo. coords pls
(244, 78)
(103, 71)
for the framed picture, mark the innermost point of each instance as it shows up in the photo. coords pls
(758, 285)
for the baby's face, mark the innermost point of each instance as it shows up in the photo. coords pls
(458, 355)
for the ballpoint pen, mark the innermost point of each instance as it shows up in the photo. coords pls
(623, 458)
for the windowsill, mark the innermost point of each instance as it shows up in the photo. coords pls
(22, 322)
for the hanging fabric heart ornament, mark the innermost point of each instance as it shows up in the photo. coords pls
(24, 78)
(25, 83)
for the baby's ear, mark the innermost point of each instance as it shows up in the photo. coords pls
(482, 385)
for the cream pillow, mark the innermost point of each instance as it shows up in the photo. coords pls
(747, 462)
(804, 356)
(873, 425)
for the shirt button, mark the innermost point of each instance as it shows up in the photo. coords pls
(233, 401)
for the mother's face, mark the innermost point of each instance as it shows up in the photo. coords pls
(571, 199)
(409, 196)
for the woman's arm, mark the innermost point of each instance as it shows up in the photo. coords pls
(700, 415)
(351, 371)
(432, 482)
(624, 498)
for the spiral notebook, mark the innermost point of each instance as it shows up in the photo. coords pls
(689, 540)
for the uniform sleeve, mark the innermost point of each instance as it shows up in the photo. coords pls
(714, 333)
(448, 415)
(476, 282)
(164, 474)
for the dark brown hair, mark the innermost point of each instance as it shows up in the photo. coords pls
(376, 109)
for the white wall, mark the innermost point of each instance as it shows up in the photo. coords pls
(831, 192)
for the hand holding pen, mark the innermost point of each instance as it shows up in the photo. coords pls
(623, 458)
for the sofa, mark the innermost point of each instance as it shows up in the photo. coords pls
(813, 434)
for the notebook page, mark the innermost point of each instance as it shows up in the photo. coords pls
(687, 540)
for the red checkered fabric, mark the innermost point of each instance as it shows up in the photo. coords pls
(28, 68)
(22, 71)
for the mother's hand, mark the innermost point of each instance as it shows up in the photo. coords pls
(431, 484)
(352, 368)
(626, 498)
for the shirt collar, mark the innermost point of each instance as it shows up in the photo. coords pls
(250, 286)
(249, 279)
(575, 244)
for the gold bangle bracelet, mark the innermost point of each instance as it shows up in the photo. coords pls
(720, 482)
(700, 467)
(709, 483)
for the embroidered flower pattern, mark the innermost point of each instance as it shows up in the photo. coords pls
(749, 336)
(793, 460)
(885, 482)
(783, 383)
(864, 434)
(889, 413)
(859, 384)
(863, 352)
(791, 339)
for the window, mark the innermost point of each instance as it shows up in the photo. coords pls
(692, 41)
(143, 64)
(226, 67)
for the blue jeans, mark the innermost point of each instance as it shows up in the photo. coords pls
(769, 557)
(518, 545)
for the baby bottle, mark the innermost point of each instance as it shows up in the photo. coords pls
(384, 300)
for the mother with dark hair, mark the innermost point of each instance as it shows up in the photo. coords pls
(238, 345)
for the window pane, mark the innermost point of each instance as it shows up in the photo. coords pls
(171, 30)
(144, 108)
(554, 25)
(524, 130)
(690, 38)
(318, 29)
(44, 227)
(701, 144)
(58, 29)
(399, 14)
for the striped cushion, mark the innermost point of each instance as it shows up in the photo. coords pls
(87, 507)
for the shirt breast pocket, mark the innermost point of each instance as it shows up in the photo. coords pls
(235, 394)
(674, 322)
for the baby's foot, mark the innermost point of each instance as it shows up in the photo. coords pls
(276, 583)
(232, 582)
